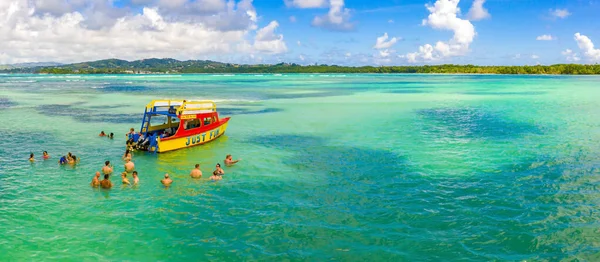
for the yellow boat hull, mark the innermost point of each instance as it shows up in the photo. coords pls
(171, 144)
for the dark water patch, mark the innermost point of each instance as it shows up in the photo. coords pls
(87, 115)
(528, 93)
(108, 106)
(6, 103)
(245, 111)
(473, 123)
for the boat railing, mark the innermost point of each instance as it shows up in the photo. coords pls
(182, 107)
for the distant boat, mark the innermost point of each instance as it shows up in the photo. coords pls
(181, 124)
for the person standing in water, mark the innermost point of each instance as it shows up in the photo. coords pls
(166, 181)
(196, 172)
(107, 169)
(96, 180)
(129, 166)
(136, 180)
(215, 176)
(106, 182)
(45, 155)
(124, 179)
(102, 133)
(219, 170)
(229, 160)
(62, 160)
(31, 159)
(111, 136)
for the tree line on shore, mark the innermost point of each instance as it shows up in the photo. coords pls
(172, 66)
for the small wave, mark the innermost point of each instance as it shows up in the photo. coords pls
(109, 76)
(22, 81)
(72, 76)
(128, 82)
(259, 75)
(97, 87)
(277, 74)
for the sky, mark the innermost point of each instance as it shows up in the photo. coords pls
(342, 32)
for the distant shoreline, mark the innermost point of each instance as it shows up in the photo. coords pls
(172, 66)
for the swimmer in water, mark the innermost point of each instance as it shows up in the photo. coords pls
(219, 170)
(215, 176)
(136, 179)
(129, 166)
(62, 160)
(229, 160)
(166, 181)
(106, 182)
(124, 179)
(127, 154)
(96, 180)
(111, 136)
(45, 155)
(73, 160)
(107, 169)
(196, 172)
(102, 133)
(31, 159)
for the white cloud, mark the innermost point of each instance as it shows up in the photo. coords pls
(293, 19)
(443, 15)
(301, 57)
(535, 57)
(267, 41)
(306, 3)
(560, 13)
(545, 38)
(97, 30)
(337, 19)
(391, 21)
(299, 43)
(517, 56)
(382, 42)
(587, 47)
(384, 53)
(348, 54)
(570, 55)
(477, 11)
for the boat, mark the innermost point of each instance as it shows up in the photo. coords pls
(175, 124)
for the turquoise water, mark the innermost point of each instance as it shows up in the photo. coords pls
(346, 167)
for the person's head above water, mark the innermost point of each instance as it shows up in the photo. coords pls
(197, 165)
(134, 173)
(124, 174)
(166, 175)
(107, 163)
(45, 152)
(215, 173)
(227, 156)
(102, 133)
(97, 174)
(218, 165)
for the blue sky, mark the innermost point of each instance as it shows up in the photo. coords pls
(498, 32)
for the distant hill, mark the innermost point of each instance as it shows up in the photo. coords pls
(28, 65)
(173, 66)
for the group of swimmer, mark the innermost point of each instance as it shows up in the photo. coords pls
(66, 159)
(102, 134)
(129, 166)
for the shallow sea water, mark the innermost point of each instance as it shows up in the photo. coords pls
(345, 167)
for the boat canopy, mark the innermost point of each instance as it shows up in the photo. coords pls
(176, 108)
